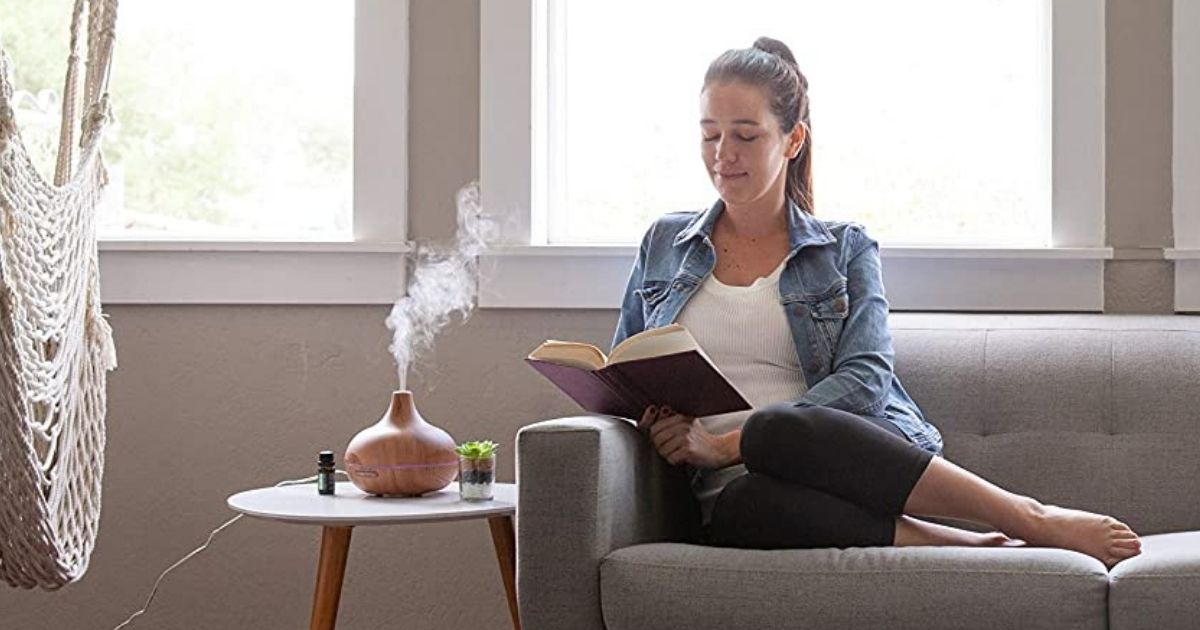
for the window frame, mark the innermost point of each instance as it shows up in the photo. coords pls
(369, 269)
(526, 272)
(1185, 157)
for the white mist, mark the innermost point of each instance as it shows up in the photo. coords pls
(443, 280)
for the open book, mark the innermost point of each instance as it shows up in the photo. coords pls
(660, 366)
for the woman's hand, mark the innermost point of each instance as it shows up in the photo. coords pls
(680, 439)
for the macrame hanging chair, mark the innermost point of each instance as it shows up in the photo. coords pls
(55, 346)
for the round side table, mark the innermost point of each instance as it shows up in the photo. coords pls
(340, 513)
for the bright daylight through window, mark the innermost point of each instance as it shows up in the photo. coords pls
(233, 119)
(931, 118)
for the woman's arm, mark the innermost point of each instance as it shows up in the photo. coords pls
(630, 321)
(862, 364)
(732, 447)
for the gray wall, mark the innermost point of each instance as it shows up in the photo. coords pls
(209, 400)
(1138, 157)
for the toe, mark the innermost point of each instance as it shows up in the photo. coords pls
(1115, 559)
(1123, 552)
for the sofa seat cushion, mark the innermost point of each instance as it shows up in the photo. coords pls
(1160, 588)
(673, 585)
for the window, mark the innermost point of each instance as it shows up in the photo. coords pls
(216, 135)
(237, 159)
(931, 118)
(1018, 225)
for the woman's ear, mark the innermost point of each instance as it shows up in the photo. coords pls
(796, 140)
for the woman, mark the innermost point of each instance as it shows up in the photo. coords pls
(849, 459)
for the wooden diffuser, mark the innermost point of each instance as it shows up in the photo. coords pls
(402, 454)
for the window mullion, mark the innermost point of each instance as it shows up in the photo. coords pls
(381, 67)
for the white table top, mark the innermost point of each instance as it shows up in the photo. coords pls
(350, 506)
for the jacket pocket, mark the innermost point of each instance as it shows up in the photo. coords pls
(828, 318)
(652, 293)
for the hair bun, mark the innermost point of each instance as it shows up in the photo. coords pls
(781, 50)
(777, 48)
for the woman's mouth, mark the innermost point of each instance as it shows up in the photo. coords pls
(730, 176)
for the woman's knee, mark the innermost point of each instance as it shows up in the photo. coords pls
(775, 427)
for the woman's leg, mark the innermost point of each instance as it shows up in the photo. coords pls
(914, 532)
(946, 489)
(756, 511)
(843, 454)
(835, 452)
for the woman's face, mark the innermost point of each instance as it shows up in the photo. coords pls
(745, 151)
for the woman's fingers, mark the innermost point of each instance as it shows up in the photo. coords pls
(663, 436)
(665, 422)
(675, 448)
(648, 417)
(667, 411)
(667, 430)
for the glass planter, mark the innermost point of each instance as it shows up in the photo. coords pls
(476, 478)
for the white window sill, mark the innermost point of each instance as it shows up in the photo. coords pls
(244, 272)
(1182, 253)
(916, 278)
(1187, 278)
(572, 277)
(181, 245)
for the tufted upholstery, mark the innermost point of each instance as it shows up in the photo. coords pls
(1096, 412)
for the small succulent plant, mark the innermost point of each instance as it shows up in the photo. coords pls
(477, 449)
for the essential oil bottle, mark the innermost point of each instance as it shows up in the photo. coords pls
(325, 483)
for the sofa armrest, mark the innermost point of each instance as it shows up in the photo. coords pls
(589, 485)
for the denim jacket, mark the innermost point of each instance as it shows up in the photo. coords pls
(832, 294)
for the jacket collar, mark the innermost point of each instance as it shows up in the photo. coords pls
(803, 228)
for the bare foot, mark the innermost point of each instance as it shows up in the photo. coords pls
(1101, 537)
(912, 532)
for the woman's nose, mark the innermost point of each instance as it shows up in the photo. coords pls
(725, 151)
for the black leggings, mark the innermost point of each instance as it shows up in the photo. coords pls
(817, 477)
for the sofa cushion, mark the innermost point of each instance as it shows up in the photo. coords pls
(673, 585)
(1095, 412)
(1159, 588)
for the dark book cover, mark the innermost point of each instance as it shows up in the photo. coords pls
(686, 382)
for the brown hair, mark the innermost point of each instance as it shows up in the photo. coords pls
(770, 65)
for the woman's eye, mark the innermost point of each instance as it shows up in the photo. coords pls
(740, 137)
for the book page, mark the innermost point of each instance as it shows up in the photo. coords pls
(671, 339)
(573, 353)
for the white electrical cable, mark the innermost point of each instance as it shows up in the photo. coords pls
(289, 482)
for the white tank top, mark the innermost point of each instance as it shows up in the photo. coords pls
(744, 330)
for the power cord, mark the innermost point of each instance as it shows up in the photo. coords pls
(289, 482)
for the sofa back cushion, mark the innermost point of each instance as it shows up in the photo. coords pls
(1098, 412)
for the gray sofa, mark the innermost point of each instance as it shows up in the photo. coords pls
(1098, 412)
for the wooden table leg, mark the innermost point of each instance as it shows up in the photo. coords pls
(506, 554)
(335, 546)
